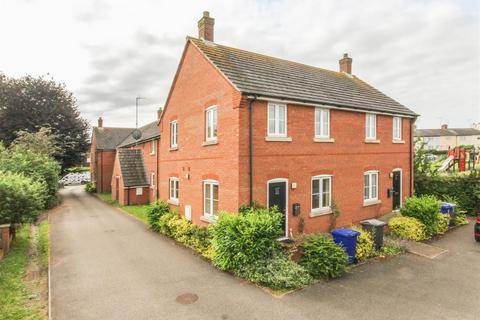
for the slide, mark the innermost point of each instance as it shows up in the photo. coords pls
(446, 164)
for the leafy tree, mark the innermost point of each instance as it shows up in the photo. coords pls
(21, 198)
(28, 104)
(42, 142)
(422, 160)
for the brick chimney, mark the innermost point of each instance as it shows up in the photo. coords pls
(205, 27)
(444, 126)
(100, 122)
(159, 113)
(346, 64)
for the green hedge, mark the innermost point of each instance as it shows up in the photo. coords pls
(39, 168)
(465, 187)
(425, 208)
(21, 198)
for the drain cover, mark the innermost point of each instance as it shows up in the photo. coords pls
(187, 298)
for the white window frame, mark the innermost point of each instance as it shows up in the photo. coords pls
(152, 180)
(321, 207)
(275, 132)
(174, 134)
(210, 184)
(211, 123)
(372, 194)
(138, 191)
(173, 193)
(370, 126)
(153, 147)
(397, 128)
(319, 125)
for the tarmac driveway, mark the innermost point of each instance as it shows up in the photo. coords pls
(107, 265)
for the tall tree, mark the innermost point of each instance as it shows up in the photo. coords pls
(29, 103)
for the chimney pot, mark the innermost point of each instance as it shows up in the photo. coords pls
(205, 27)
(444, 126)
(100, 122)
(346, 64)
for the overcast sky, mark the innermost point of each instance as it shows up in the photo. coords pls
(424, 54)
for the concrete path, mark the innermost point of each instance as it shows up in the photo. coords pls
(107, 265)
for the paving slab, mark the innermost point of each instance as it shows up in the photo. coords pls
(423, 249)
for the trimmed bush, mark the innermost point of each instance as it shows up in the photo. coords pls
(365, 245)
(408, 228)
(201, 240)
(90, 187)
(461, 219)
(322, 258)
(442, 223)
(424, 208)
(240, 240)
(154, 212)
(164, 223)
(21, 198)
(278, 273)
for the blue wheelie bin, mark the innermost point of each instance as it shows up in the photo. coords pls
(449, 208)
(347, 238)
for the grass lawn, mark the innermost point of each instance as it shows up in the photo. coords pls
(15, 297)
(138, 211)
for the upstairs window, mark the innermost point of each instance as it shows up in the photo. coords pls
(153, 147)
(370, 179)
(211, 124)
(210, 198)
(321, 193)
(174, 186)
(397, 128)
(277, 120)
(370, 126)
(322, 123)
(174, 134)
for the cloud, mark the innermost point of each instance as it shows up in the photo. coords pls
(425, 54)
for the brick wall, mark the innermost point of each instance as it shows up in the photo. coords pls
(198, 86)
(347, 158)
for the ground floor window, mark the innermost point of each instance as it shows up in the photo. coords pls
(321, 193)
(174, 186)
(370, 179)
(210, 198)
(138, 191)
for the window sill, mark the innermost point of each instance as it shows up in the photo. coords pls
(398, 141)
(210, 143)
(324, 140)
(321, 212)
(278, 139)
(174, 202)
(208, 219)
(367, 203)
(152, 154)
(173, 149)
(371, 141)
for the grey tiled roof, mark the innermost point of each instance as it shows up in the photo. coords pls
(149, 131)
(447, 132)
(108, 138)
(132, 167)
(254, 73)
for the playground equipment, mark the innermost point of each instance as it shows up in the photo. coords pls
(459, 156)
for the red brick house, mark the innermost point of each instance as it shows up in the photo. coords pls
(240, 127)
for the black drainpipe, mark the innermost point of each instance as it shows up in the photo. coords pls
(411, 156)
(250, 149)
(101, 171)
(128, 196)
(158, 169)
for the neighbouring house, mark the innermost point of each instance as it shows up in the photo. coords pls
(445, 137)
(102, 153)
(240, 127)
(108, 167)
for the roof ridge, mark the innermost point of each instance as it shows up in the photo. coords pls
(270, 57)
